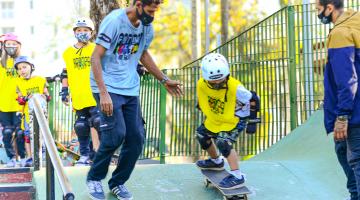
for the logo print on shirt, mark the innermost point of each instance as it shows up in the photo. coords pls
(32, 90)
(11, 72)
(82, 62)
(216, 105)
(128, 44)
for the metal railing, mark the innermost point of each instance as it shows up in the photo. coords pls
(53, 161)
(282, 58)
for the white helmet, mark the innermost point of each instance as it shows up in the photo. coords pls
(83, 22)
(214, 67)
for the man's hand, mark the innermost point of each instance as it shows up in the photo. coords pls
(173, 87)
(106, 103)
(340, 129)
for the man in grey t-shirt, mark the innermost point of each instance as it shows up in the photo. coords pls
(123, 41)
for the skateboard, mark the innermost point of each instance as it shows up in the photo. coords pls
(215, 177)
(67, 154)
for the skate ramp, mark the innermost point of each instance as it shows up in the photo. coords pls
(302, 166)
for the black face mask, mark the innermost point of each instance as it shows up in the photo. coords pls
(11, 51)
(145, 18)
(325, 19)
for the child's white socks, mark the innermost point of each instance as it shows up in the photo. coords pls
(217, 160)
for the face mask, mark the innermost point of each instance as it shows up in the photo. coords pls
(145, 18)
(83, 37)
(11, 51)
(325, 19)
(217, 86)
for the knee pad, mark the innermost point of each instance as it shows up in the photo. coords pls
(224, 146)
(8, 131)
(95, 119)
(82, 127)
(19, 133)
(203, 137)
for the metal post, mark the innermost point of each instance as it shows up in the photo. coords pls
(292, 66)
(207, 27)
(50, 181)
(162, 124)
(308, 60)
(36, 140)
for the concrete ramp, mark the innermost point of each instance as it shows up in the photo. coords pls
(302, 166)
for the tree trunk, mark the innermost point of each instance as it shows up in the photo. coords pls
(224, 20)
(99, 9)
(195, 29)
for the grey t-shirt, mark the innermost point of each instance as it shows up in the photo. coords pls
(124, 46)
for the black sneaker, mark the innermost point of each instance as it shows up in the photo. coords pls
(208, 164)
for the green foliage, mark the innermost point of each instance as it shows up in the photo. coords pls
(172, 42)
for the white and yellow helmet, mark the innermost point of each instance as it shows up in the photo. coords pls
(83, 22)
(214, 66)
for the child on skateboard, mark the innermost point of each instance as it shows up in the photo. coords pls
(226, 105)
(28, 85)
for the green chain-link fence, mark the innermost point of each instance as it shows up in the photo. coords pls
(282, 58)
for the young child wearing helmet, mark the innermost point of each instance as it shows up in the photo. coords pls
(27, 86)
(9, 108)
(225, 104)
(76, 77)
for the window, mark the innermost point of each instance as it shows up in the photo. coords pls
(8, 29)
(7, 9)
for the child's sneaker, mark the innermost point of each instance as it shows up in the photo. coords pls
(121, 193)
(29, 162)
(232, 182)
(208, 164)
(95, 190)
(11, 163)
(23, 162)
(83, 161)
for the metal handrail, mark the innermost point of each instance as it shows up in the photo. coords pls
(52, 150)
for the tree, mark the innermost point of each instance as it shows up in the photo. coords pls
(224, 20)
(99, 9)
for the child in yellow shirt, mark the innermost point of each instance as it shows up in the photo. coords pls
(28, 85)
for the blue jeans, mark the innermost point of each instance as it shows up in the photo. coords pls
(342, 155)
(124, 128)
(11, 123)
(353, 142)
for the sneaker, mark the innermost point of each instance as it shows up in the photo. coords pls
(11, 163)
(232, 182)
(95, 190)
(121, 193)
(29, 162)
(83, 161)
(23, 162)
(210, 165)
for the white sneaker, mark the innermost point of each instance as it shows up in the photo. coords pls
(83, 161)
(23, 162)
(11, 163)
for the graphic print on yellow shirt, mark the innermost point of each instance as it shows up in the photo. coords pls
(78, 68)
(34, 85)
(8, 79)
(220, 114)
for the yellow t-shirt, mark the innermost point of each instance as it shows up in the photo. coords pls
(220, 114)
(34, 85)
(8, 79)
(78, 67)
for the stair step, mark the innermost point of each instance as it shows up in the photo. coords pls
(17, 192)
(15, 175)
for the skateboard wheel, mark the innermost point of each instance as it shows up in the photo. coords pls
(207, 183)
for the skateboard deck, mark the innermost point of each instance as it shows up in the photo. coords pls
(66, 153)
(215, 177)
